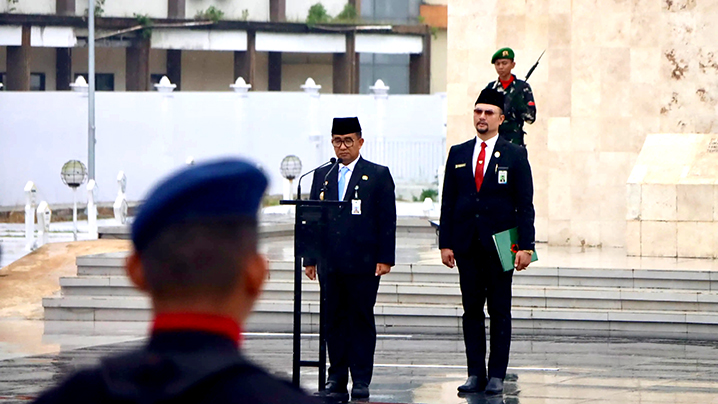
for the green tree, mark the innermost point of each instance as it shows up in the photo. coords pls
(318, 15)
(348, 15)
(212, 13)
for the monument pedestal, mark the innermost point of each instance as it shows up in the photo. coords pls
(672, 197)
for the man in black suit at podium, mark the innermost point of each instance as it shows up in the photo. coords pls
(360, 250)
(488, 188)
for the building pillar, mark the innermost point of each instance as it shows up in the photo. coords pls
(245, 61)
(176, 9)
(345, 69)
(63, 69)
(420, 69)
(63, 56)
(357, 6)
(277, 10)
(174, 67)
(275, 71)
(18, 64)
(137, 66)
(65, 7)
(277, 13)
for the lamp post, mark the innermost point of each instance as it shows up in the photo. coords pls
(290, 168)
(74, 174)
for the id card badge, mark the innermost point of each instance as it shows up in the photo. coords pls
(503, 175)
(356, 206)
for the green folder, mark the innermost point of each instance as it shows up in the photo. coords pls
(504, 242)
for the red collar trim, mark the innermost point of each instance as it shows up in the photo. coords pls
(211, 323)
(507, 83)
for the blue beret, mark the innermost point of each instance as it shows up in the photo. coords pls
(221, 188)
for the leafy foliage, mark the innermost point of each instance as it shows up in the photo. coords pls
(348, 15)
(428, 193)
(318, 15)
(11, 5)
(212, 13)
(146, 22)
(99, 8)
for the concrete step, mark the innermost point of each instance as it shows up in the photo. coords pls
(272, 315)
(699, 280)
(441, 293)
(545, 276)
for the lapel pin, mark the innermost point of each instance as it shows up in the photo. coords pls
(364, 177)
(497, 154)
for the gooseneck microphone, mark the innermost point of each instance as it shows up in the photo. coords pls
(324, 183)
(299, 183)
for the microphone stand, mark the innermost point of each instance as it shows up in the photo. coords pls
(324, 183)
(299, 183)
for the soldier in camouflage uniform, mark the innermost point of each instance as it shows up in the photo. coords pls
(519, 105)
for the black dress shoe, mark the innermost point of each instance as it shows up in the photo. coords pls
(473, 384)
(495, 386)
(360, 391)
(334, 392)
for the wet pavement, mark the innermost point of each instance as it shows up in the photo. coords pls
(418, 368)
(425, 369)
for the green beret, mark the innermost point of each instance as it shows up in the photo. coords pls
(503, 53)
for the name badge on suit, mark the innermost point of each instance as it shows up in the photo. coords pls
(503, 175)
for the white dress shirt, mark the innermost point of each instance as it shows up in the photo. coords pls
(490, 144)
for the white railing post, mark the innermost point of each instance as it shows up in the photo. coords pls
(240, 86)
(44, 215)
(440, 177)
(172, 147)
(243, 142)
(311, 88)
(80, 86)
(30, 192)
(91, 209)
(120, 206)
(381, 95)
(165, 86)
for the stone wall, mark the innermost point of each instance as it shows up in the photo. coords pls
(614, 71)
(673, 208)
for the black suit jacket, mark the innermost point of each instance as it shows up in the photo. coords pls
(358, 242)
(178, 367)
(467, 214)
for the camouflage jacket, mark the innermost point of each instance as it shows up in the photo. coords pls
(519, 105)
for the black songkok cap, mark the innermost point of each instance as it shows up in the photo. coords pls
(491, 97)
(343, 126)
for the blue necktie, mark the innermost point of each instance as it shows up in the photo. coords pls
(342, 182)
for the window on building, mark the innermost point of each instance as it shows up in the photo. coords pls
(37, 81)
(394, 11)
(103, 81)
(393, 70)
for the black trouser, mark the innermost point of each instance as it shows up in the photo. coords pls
(350, 328)
(482, 280)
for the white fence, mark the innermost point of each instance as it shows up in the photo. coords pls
(149, 134)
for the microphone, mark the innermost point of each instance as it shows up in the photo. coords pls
(324, 183)
(299, 183)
